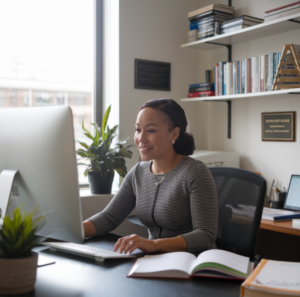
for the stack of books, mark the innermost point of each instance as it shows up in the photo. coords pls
(282, 11)
(238, 23)
(202, 90)
(250, 75)
(202, 20)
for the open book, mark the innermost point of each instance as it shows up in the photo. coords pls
(273, 278)
(211, 263)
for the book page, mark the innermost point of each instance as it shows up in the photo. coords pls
(279, 275)
(231, 260)
(169, 261)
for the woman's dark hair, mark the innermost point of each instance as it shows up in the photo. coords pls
(185, 144)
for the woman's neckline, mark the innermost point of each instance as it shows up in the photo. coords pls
(151, 162)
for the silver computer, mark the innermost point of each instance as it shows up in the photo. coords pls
(39, 143)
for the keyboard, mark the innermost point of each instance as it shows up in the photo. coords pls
(86, 251)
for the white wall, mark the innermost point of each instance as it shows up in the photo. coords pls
(276, 160)
(154, 30)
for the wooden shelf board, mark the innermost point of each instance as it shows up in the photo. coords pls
(282, 227)
(241, 96)
(253, 32)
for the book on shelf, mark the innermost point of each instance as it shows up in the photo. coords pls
(216, 79)
(224, 79)
(202, 89)
(294, 4)
(272, 278)
(248, 80)
(234, 80)
(235, 28)
(277, 215)
(282, 14)
(210, 13)
(209, 75)
(192, 35)
(217, 7)
(184, 265)
(208, 21)
(242, 20)
(201, 94)
(202, 85)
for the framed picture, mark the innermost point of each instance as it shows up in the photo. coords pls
(278, 126)
(152, 75)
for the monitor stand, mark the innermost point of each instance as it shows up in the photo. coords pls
(6, 181)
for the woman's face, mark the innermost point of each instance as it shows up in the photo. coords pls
(152, 134)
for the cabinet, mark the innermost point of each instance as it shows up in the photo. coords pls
(285, 24)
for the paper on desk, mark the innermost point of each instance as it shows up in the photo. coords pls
(279, 275)
(270, 213)
(43, 261)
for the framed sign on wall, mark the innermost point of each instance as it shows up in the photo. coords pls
(278, 126)
(152, 75)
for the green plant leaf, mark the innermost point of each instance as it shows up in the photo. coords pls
(104, 122)
(87, 171)
(83, 144)
(88, 133)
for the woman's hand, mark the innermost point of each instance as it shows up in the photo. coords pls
(129, 243)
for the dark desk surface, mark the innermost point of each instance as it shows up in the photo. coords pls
(74, 276)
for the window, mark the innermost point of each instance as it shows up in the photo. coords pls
(47, 57)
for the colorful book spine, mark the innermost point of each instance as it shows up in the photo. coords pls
(202, 89)
(270, 72)
(201, 94)
(234, 77)
(242, 76)
(253, 75)
(238, 74)
(249, 88)
(224, 78)
(257, 73)
(262, 73)
(266, 73)
(216, 80)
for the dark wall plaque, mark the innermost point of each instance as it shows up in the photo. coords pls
(278, 126)
(152, 75)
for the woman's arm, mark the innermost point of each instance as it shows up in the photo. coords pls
(115, 212)
(89, 229)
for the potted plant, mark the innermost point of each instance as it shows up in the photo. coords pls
(103, 160)
(18, 263)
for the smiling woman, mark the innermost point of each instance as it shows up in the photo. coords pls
(174, 195)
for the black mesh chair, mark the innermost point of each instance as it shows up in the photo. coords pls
(241, 195)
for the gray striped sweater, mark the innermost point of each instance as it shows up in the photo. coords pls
(184, 204)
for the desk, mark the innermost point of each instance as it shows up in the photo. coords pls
(74, 276)
(278, 241)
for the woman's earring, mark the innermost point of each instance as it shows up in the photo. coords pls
(173, 141)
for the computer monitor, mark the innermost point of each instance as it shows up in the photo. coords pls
(39, 143)
(292, 198)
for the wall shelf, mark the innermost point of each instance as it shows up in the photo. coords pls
(285, 24)
(241, 96)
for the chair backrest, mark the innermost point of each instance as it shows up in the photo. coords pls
(241, 196)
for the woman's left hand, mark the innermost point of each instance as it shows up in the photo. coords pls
(129, 243)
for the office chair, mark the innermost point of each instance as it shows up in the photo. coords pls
(241, 195)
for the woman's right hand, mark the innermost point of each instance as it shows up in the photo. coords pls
(89, 229)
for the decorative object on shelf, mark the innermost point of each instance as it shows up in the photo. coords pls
(152, 75)
(18, 263)
(288, 70)
(278, 126)
(103, 160)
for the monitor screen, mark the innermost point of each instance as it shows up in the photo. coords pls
(292, 199)
(39, 143)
